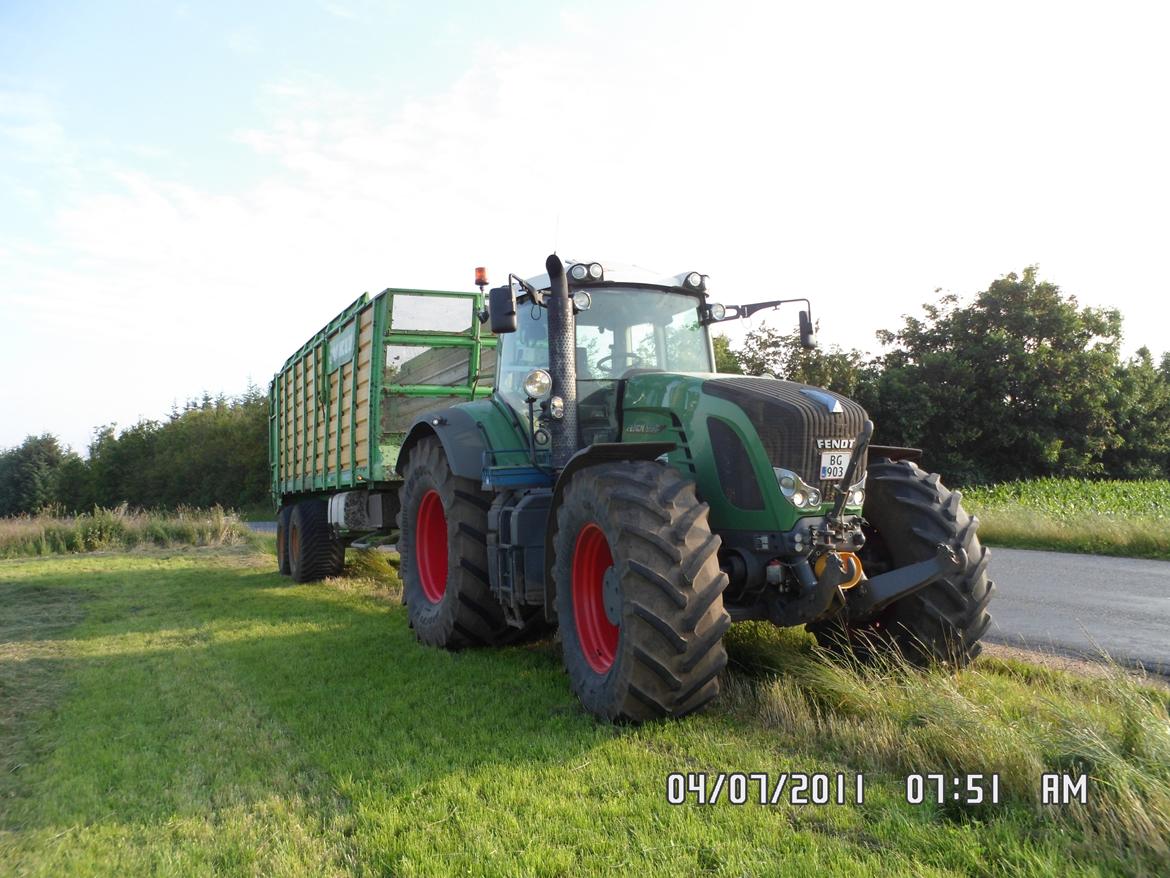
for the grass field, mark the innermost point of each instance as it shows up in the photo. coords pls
(1076, 515)
(191, 712)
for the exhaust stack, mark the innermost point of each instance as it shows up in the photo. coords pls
(562, 362)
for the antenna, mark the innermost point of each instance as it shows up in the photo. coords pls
(557, 234)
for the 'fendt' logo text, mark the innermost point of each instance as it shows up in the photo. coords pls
(835, 444)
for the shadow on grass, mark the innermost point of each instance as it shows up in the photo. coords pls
(207, 687)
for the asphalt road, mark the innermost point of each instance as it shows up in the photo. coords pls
(1077, 605)
(1083, 605)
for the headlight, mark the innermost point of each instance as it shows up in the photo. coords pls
(556, 407)
(856, 493)
(792, 486)
(578, 271)
(537, 383)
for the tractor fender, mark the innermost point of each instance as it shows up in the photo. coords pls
(460, 434)
(894, 452)
(591, 455)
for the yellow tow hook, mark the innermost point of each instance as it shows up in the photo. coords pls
(855, 574)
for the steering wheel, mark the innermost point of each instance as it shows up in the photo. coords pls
(629, 355)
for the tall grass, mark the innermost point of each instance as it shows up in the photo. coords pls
(120, 528)
(1002, 717)
(1076, 515)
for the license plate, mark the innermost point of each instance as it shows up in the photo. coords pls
(834, 464)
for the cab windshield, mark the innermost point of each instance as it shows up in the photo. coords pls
(640, 329)
(625, 328)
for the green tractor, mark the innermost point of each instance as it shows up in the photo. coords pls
(662, 502)
(613, 485)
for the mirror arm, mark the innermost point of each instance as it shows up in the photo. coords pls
(749, 310)
(537, 297)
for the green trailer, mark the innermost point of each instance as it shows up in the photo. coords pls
(341, 405)
(562, 453)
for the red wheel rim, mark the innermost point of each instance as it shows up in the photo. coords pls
(597, 635)
(430, 546)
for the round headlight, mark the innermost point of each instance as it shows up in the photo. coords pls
(537, 383)
(578, 271)
(798, 498)
(814, 497)
(718, 312)
(581, 300)
(556, 407)
(595, 271)
(694, 279)
(857, 498)
(787, 483)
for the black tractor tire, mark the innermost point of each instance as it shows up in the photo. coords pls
(633, 547)
(313, 551)
(908, 512)
(443, 525)
(283, 518)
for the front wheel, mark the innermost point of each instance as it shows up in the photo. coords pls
(639, 592)
(908, 513)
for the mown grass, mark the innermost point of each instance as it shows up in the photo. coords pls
(191, 712)
(119, 528)
(1076, 515)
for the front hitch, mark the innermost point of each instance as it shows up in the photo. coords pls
(870, 596)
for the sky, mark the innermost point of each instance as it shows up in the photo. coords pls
(189, 190)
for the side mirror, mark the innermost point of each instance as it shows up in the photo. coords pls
(808, 335)
(502, 309)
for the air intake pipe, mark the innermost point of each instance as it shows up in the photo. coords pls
(562, 364)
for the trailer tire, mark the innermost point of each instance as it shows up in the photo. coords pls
(443, 546)
(633, 545)
(282, 524)
(908, 513)
(313, 551)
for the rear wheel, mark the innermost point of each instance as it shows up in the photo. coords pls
(908, 513)
(282, 524)
(443, 544)
(639, 592)
(313, 551)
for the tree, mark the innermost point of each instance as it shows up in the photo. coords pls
(28, 474)
(1140, 408)
(768, 351)
(1016, 384)
(725, 358)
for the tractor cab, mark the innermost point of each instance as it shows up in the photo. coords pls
(626, 319)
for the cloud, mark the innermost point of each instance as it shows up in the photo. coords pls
(861, 160)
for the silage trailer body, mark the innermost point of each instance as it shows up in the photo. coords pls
(340, 406)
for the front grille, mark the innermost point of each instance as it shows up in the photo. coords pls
(789, 422)
(737, 479)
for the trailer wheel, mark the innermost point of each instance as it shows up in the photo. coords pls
(282, 525)
(313, 551)
(443, 544)
(908, 512)
(639, 592)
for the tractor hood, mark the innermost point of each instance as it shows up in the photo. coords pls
(733, 432)
(796, 423)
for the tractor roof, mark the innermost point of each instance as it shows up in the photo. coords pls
(618, 273)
